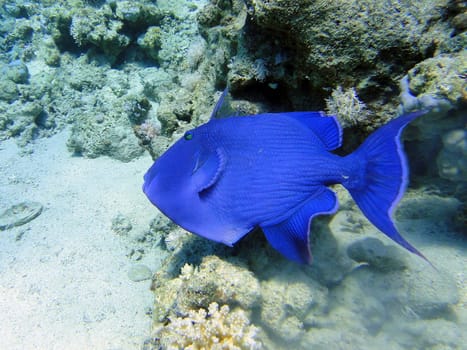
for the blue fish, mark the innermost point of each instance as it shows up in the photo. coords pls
(229, 176)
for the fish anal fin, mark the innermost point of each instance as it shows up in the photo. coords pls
(291, 236)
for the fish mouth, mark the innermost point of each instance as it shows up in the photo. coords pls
(144, 187)
(148, 178)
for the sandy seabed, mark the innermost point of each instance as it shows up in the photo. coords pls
(63, 276)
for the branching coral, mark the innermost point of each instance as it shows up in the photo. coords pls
(346, 105)
(215, 329)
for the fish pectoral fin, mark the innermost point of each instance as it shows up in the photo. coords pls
(291, 236)
(208, 169)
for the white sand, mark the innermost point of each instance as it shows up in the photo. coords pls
(63, 283)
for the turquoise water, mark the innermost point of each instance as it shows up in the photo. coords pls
(93, 91)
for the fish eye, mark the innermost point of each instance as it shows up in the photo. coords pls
(188, 135)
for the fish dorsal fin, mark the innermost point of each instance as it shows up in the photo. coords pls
(291, 237)
(208, 169)
(220, 103)
(325, 127)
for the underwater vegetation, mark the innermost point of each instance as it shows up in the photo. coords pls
(125, 77)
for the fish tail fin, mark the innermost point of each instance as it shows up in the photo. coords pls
(383, 179)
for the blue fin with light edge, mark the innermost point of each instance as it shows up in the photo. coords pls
(325, 127)
(220, 102)
(291, 237)
(384, 179)
(207, 170)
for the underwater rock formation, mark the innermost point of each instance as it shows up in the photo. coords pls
(113, 27)
(358, 284)
(106, 128)
(78, 58)
(436, 83)
(439, 84)
(316, 45)
(290, 306)
(287, 302)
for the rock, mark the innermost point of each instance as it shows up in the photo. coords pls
(287, 301)
(19, 214)
(151, 41)
(139, 273)
(341, 45)
(437, 334)
(376, 254)
(113, 136)
(430, 292)
(225, 281)
(435, 84)
(440, 77)
(418, 291)
(441, 334)
(452, 160)
(426, 206)
(16, 71)
(121, 225)
(360, 293)
(8, 91)
(99, 28)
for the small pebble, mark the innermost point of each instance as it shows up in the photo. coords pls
(139, 273)
(19, 214)
(121, 225)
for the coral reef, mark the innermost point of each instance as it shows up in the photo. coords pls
(230, 282)
(370, 291)
(95, 28)
(217, 328)
(106, 101)
(281, 60)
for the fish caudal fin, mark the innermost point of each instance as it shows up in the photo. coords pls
(384, 178)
